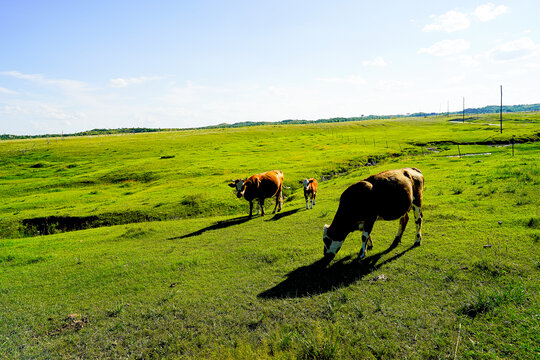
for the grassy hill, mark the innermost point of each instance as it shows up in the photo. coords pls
(168, 265)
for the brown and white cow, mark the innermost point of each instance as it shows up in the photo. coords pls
(388, 196)
(259, 187)
(310, 190)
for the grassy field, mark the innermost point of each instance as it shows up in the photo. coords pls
(185, 274)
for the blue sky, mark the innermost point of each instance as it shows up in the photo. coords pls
(69, 66)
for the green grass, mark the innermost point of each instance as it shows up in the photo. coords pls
(207, 282)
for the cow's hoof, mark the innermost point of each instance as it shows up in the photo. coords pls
(418, 243)
(329, 257)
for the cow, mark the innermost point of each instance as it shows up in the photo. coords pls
(388, 195)
(310, 190)
(259, 187)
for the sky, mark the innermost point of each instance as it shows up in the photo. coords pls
(70, 66)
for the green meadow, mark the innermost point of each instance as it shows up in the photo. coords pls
(133, 246)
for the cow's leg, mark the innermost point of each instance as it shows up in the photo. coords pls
(369, 244)
(366, 231)
(251, 208)
(279, 201)
(307, 201)
(402, 225)
(418, 220)
(261, 204)
(313, 199)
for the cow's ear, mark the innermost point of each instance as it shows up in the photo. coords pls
(301, 181)
(310, 181)
(232, 184)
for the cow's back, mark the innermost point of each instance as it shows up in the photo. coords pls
(393, 192)
(263, 185)
(313, 185)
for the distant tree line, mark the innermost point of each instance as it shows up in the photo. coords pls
(483, 110)
(87, 133)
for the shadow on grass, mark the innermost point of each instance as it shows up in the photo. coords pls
(283, 214)
(218, 225)
(231, 222)
(317, 278)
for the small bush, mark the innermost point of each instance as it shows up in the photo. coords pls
(534, 223)
(485, 302)
(486, 267)
(317, 345)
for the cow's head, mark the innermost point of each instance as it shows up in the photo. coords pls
(238, 186)
(331, 247)
(306, 183)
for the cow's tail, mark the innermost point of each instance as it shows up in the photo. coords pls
(280, 174)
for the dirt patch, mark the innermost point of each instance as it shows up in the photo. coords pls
(71, 323)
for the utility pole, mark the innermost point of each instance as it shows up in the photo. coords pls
(463, 119)
(501, 110)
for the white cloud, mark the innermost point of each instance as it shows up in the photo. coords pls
(523, 47)
(66, 84)
(118, 83)
(352, 79)
(122, 82)
(41, 110)
(453, 20)
(449, 22)
(489, 11)
(471, 60)
(7, 91)
(456, 79)
(446, 47)
(386, 85)
(378, 62)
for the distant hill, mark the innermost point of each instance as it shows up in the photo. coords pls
(506, 109)
(483, 110)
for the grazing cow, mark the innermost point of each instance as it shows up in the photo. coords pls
(388, 196)
(259, 187)
(310, 190)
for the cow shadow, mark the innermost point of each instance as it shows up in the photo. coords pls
(216, 226)
(318, 278)
(281, 215)
(232, 222)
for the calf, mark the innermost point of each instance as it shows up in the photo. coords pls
(310, 190)
(259, 187)
(387, 196)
